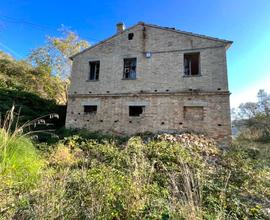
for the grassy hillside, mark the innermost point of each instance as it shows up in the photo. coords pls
(22, 76)
(30, 106)
(33, 91)
(93, 176)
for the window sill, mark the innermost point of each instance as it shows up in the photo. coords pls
(92, 80)
(188, 76)
(128, 79)
(192, 120)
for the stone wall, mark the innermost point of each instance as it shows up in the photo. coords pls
(168, 96)
(162, 112)
(163, 71)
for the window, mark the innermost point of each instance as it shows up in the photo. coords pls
(191, 64)
(90, 109)
(94, 70)
(135, 111)
(129, 68)
(193, 113)
(130, 36)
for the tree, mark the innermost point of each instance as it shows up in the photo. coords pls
(53, 57)
(6, 56)
(21, 76)
(264, 102)
(255, 116)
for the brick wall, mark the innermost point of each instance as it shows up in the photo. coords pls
(160, 85)
(164, 70)
(162, 112)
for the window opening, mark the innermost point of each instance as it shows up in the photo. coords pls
(129, 68)
(90, 109)
(135, 111)
(94, 70)
(191, 64)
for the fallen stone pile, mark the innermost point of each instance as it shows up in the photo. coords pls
(187, 139)
(199, 143)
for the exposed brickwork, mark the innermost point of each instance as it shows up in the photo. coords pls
(160, 85)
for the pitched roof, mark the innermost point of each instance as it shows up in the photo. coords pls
(227, 42)
(189, 33)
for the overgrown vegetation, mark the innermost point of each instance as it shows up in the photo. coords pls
(38, 85)
(46, 71)
(53, 57)
(21, 76)
(33, 90)
(93, 176)
(20, 164)
(253, 119)
(30, 106)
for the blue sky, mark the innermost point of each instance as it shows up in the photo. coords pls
(25, 23)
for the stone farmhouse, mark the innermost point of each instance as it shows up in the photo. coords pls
(152, 78)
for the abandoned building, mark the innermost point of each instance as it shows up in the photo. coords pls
(152, 78)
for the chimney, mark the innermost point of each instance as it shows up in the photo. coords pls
(120, 27)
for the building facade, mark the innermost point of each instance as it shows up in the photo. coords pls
(152, 78)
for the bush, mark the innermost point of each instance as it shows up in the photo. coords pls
(63, 156)
(19, 161)
(30, 106)
(239, 188)
(156, 177)
(22, 76)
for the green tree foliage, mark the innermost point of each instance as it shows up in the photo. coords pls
(32, 90)
(44, 76)
(38, 84)
(55, 54)
(5, 56)
(254, 117)
(21, 76)
(30, 106)
(53, 57)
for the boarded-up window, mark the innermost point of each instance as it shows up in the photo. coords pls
(193, 113)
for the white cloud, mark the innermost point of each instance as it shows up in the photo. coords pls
(249, 94)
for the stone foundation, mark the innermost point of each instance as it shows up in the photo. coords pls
(203, 112)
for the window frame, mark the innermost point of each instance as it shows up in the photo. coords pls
(124, 67)
(199, 64)
(96, 75)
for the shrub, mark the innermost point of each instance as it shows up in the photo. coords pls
(63, 156)
(156, 177)
(19, 161)
(30, 106)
